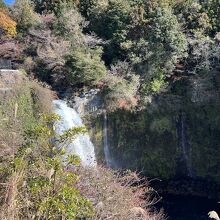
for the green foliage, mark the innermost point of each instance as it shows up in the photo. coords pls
(69, 24)
(190, 14)
(212, 8)
(160, 47)
(122, 86)
(50, 185)
(116, 15)
(2, 4)
(151, 39)
(23, 13)
(121, 93)
(86, 6)
(166, 39)
(161, 125)
(157, 83)
(72, 133)
(34, 161)
(85, 66)
(49, 6)
(74, 43)
(17, 109)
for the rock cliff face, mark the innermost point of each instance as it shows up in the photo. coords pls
(176, 136)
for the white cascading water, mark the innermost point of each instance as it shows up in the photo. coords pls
(81, 146)
(185, 145)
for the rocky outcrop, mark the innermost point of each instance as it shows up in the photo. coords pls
(87, 102)
(176, 136)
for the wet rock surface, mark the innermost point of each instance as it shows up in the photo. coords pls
(87, 102)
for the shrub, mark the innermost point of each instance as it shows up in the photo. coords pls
(41, 183)
(118, 195)
(23, 13)
(85, 66)
(7, 25)
(121, 87)
(42, 98)
(16, 115)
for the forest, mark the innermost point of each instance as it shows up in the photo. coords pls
(156, 66)
(131, 49)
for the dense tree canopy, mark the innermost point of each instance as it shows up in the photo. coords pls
(74, 43)
(2, 4)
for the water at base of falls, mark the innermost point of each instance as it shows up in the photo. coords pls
(187, 207)
(81, 146)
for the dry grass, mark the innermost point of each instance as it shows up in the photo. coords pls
(19, 105)
(42, 97)
(19, 108)
(116, 196)
(13, 118)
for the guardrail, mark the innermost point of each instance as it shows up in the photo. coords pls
(5, 64)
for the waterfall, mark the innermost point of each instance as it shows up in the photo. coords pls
(184, 144)
(106, 146)
(81, 146)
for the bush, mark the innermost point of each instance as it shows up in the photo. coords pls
(121, 87)
(7, 25)
(85, 66)
(118, 195)
(23, 13)
(41, 183)
(42, 98)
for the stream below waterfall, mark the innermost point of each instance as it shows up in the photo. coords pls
(187, 207)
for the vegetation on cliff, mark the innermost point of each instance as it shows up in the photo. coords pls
(38, 182)
(82, 44)
(157, 60)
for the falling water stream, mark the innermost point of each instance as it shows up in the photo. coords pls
(106, 146)
(82, 146)
(184, 144)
